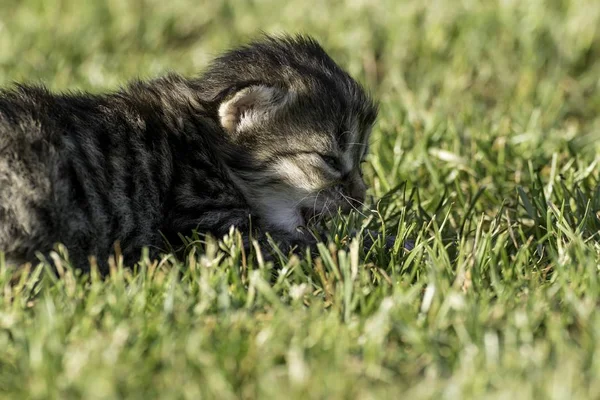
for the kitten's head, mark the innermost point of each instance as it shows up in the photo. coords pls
(299, 124)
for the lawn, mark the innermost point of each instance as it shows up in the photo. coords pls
(485, 155)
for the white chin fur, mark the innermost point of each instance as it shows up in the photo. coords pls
(282, 215)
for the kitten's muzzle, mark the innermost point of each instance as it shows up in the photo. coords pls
(355, 191)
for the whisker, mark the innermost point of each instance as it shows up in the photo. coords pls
(357, 144)
(326, 209)
(352, 205)
(355, 200)
(316, 215)
(305, 197)
(315, 203)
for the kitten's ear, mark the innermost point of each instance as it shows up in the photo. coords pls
(251, 106)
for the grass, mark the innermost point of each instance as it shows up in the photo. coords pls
(486, 154)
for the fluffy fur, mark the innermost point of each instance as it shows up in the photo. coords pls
(274, 130)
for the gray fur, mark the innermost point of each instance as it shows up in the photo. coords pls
(274, 130)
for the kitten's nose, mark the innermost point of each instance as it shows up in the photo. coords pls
(356, 190)
(358, 193)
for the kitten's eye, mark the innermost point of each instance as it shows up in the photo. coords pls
(331, 161)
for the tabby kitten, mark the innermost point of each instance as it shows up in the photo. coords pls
(274, 130)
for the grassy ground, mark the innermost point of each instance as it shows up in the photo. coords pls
(486, 153)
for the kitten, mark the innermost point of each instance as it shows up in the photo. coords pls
(275, 130)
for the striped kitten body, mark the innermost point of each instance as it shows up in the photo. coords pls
(274, 131)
